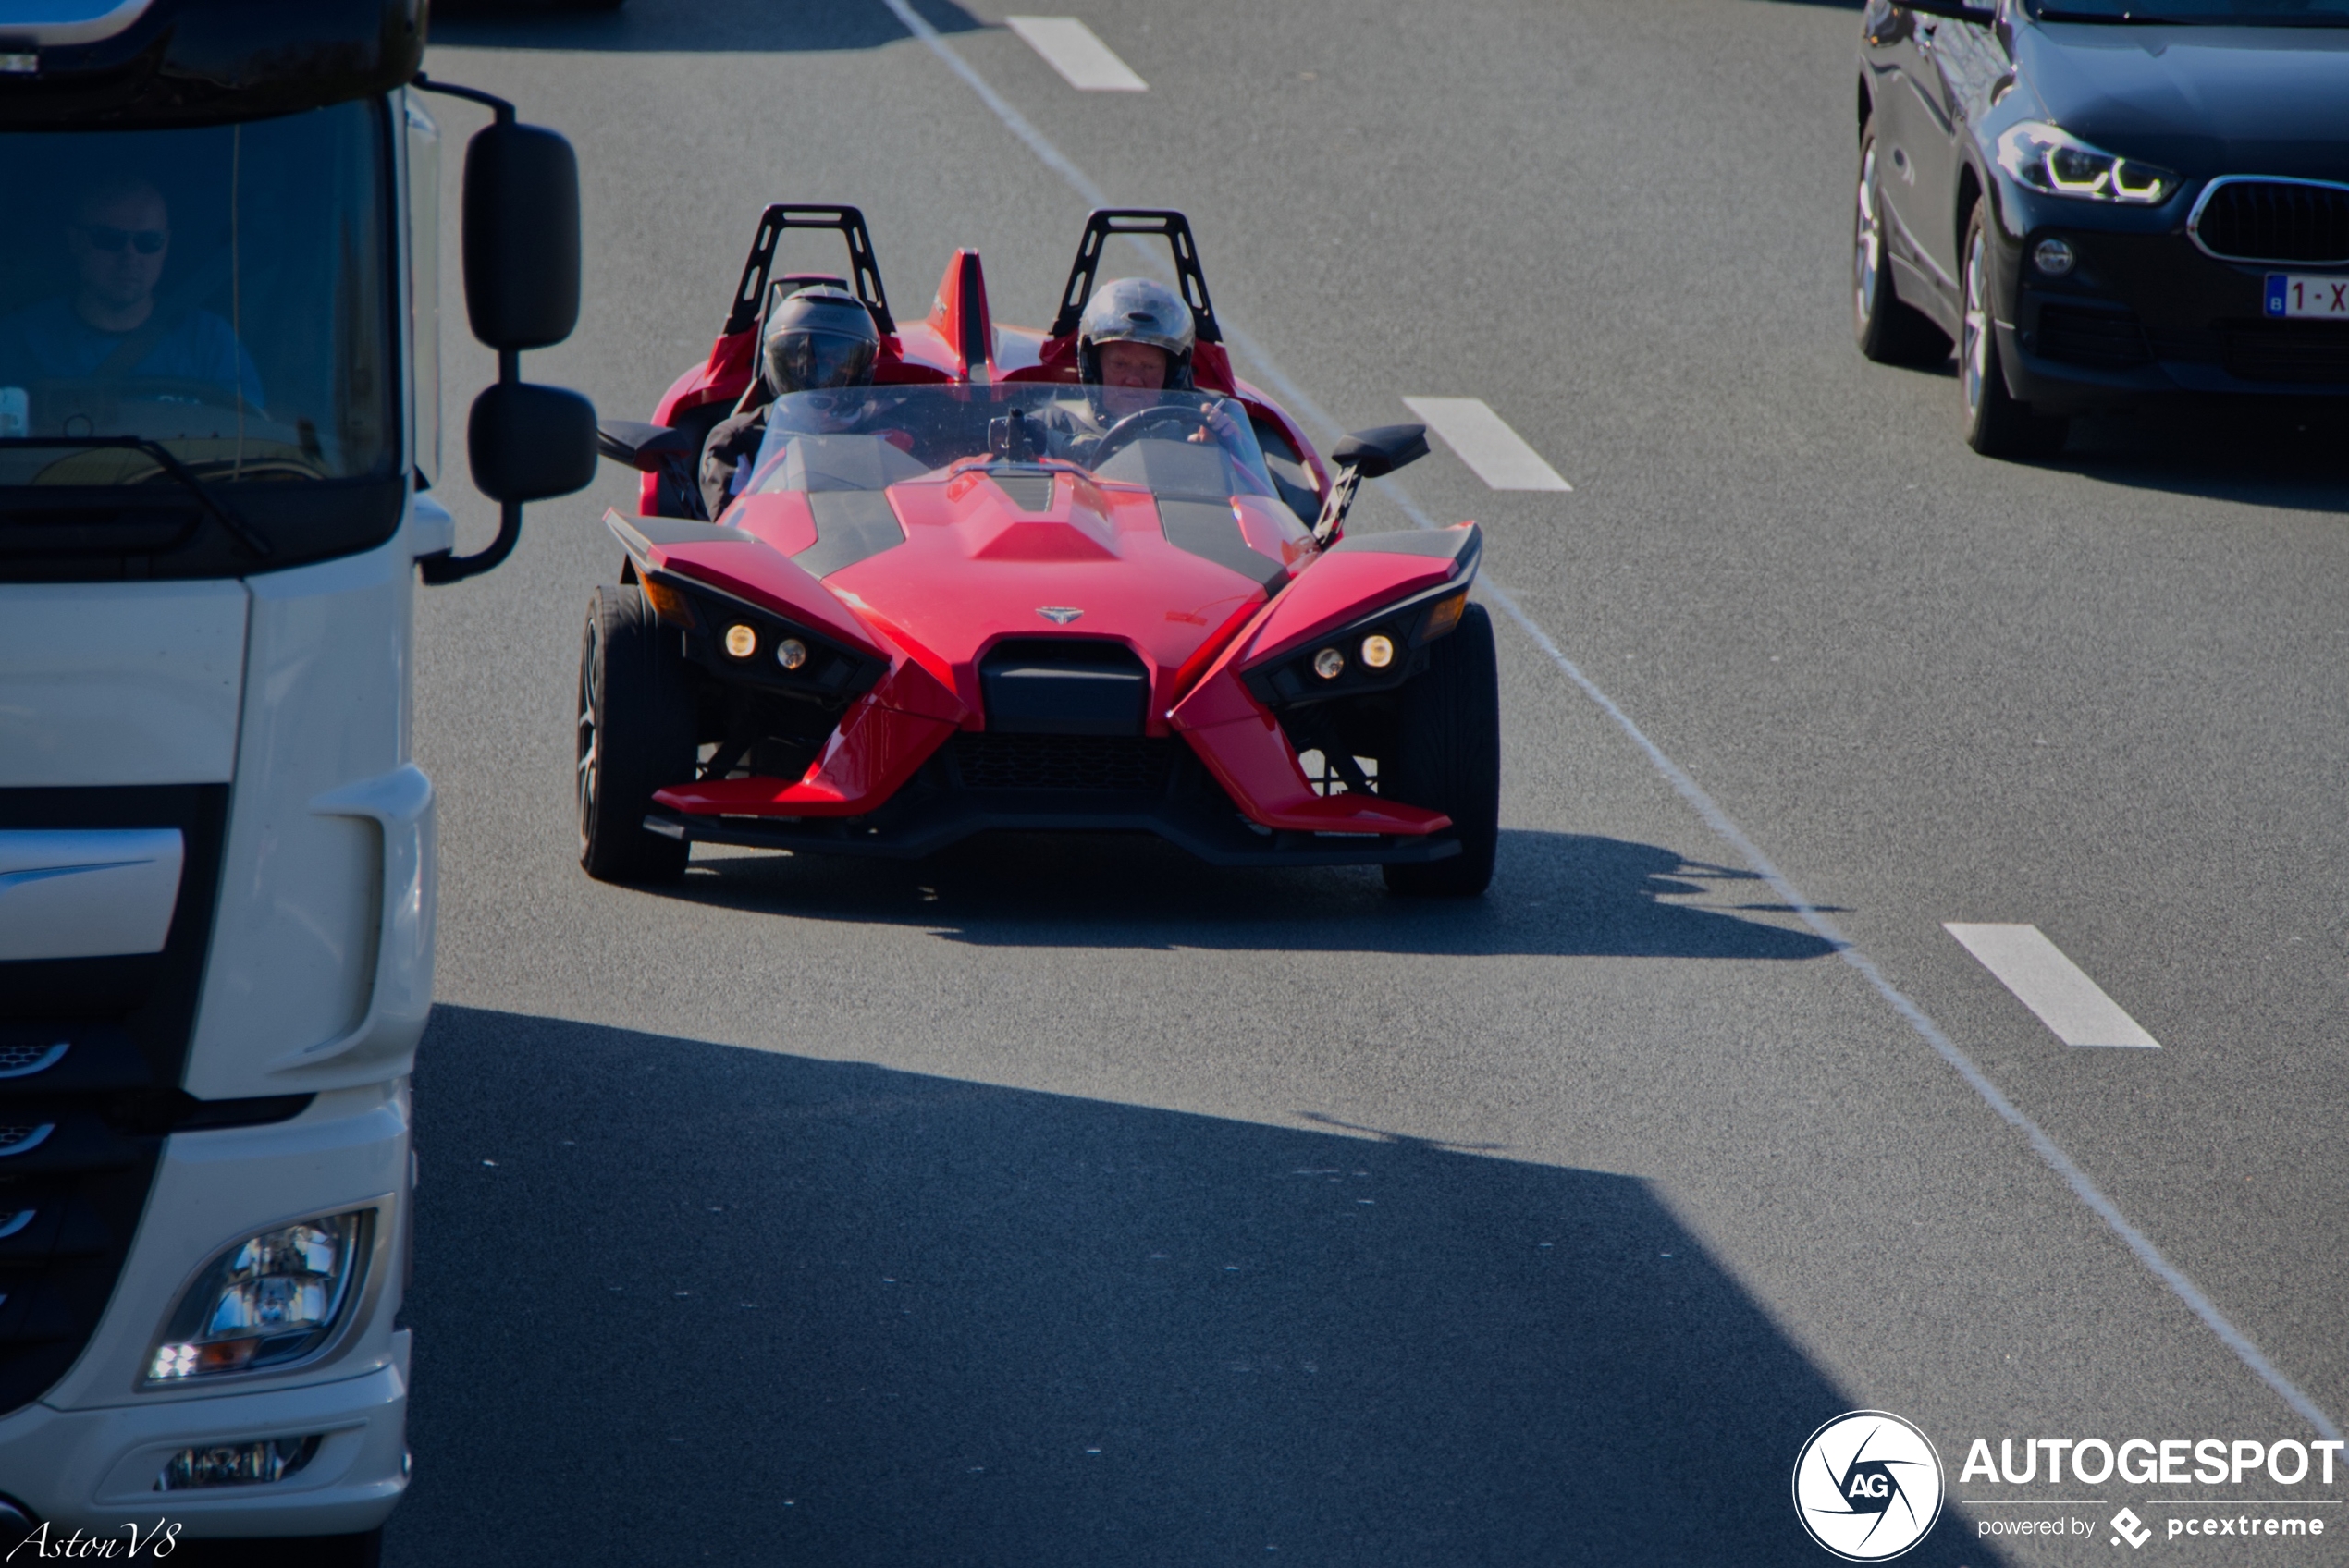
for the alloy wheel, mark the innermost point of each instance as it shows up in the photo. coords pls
(1867, 243)
(1974, 353)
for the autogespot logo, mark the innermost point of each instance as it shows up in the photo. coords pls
(1867, 1486)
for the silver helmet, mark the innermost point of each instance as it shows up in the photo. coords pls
(1136, 309)
(818, 337)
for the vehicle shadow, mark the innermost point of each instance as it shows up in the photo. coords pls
(680, 1301)
(2286, 454)
(1556, 894)
(687, 26)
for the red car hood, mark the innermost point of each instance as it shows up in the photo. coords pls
(978, 567)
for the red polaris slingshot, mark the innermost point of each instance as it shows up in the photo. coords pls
(921, 617)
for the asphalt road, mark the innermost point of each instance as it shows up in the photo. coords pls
(1065, 1201)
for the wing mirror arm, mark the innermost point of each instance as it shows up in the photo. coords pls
(1365, 454)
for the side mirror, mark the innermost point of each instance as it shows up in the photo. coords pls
(521, 236)
(1374, 454)
(1365, 454)
(526, 442)
(650, 448)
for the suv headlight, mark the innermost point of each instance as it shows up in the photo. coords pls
(2050, 158)
(272, 1298)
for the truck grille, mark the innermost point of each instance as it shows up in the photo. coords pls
(2107, 339)
(2313, 353)
(2273, 220)
(1093, 763)
(92, 1054)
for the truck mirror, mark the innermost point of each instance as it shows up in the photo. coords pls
(521, 239)
(526, 442)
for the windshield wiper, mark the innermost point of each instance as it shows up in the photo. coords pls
(166, 461)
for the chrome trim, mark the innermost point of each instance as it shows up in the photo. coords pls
(2193, 218)
(40, 1063)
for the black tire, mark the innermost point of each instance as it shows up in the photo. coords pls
(635, 736)
(1887, 331)
(1996, 425)
(1447, 758)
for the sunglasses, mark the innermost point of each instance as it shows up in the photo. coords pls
(147, 242)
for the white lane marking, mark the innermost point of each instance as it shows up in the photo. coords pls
(2047, 1149)
(2052, 985)
(1074, 50)
(1486, 444)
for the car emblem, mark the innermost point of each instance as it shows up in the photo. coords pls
(1059, 615)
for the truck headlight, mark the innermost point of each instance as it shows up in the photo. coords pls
(2048, 158)
(272, 1298)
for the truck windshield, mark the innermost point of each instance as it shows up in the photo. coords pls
(220, 291)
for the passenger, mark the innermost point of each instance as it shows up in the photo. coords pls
(1133, 345)
(818, 338)
(111, 326)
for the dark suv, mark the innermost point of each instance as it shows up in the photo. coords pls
(2101, 201)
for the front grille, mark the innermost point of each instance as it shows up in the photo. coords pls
(2107, 339)
(2311, 353)
(1028, 492)
(1093, 763)
(87, 1047)
(2274, 220)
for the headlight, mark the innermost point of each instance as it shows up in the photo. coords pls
(270, 1299)
(2048, 158)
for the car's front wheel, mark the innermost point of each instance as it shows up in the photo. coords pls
(1887, 331)
(1996, 423)
(635, 736)
(1448, 757)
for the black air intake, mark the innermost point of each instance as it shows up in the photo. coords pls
(2106, 339)
(1064, 686)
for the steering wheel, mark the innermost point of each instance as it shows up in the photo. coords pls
(1130, 429)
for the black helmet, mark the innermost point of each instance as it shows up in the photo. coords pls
(1135, 310)
(818, 337)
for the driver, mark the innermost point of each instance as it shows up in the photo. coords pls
(816, 338)
(118, 237)
(1134, 344)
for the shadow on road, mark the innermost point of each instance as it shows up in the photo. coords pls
(2282, 454)
(1555, 894)
(687, 26)
(719, 1305)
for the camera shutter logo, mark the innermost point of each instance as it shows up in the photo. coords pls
(1867, 1486)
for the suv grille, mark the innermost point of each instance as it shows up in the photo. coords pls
(2273, 220)
(2111, 339)
(2309, 353)
(992, 761)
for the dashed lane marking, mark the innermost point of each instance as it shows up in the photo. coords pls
(2052, 985)
(1818, 920)
(1486, 444)
(1074, 50)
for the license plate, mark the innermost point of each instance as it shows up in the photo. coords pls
(2308, 294)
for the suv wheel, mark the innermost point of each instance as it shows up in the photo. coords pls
(1888, 331)
(1996, 424)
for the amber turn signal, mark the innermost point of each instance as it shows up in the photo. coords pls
(668, 603)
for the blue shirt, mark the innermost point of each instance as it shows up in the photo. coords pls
(51, 342)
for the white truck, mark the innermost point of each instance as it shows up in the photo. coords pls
(219, 407)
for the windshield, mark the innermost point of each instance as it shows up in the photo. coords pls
(2206, 13)
(1183, 444)
(221, 292)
